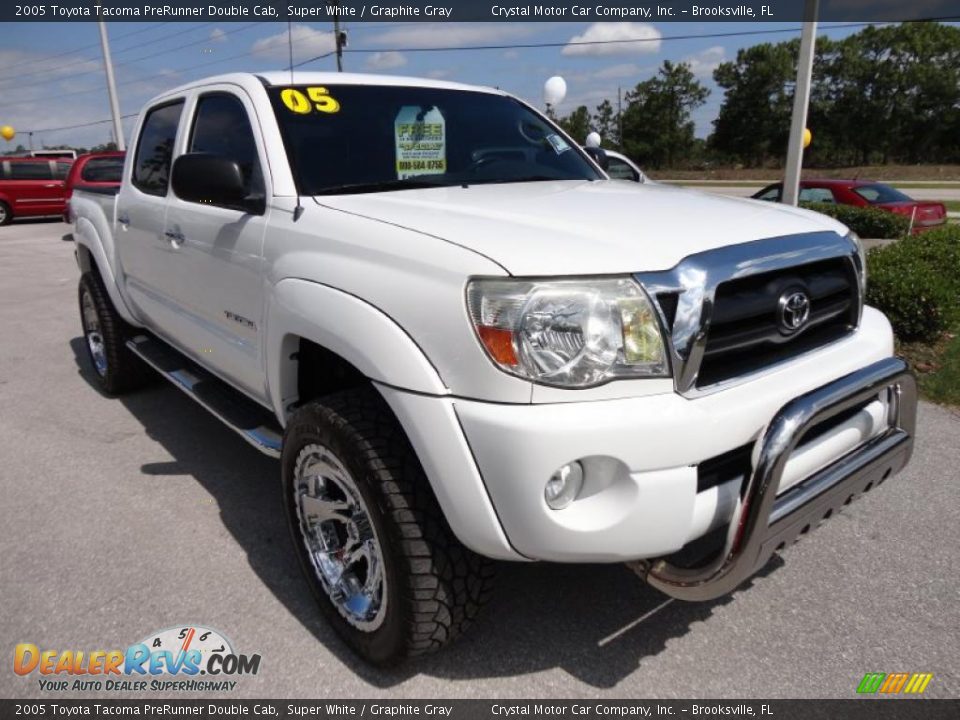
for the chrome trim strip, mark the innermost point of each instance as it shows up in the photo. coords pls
(696, 279)
(762, 522)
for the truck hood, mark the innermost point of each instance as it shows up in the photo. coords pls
(581, 227)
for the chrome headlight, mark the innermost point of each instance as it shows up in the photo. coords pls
(568, 333)
(862, 260)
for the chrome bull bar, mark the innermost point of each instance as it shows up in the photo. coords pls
(762, 522)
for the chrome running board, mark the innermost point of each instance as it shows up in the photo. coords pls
(252, 422)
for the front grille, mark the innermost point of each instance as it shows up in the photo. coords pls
(745, 333)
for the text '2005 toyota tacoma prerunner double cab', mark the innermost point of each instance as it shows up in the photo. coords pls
(465, 343)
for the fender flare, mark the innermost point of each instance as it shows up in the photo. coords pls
(360, 333)
(91, 254)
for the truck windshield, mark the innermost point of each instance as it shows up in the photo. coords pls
(366, 138)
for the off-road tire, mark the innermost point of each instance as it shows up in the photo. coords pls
(434, 585)
(124, 371)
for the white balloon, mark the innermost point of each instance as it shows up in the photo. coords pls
(554, 90)
(593, 139)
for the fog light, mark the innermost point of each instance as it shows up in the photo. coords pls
(563, 486)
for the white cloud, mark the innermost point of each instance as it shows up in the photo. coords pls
(440, 74)
(218, 36)
(386, 60)
(615, 31)
(706, 61)
(511, 55)
(307, 43)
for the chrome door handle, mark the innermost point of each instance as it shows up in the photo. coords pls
(123, 219)
(175, 236)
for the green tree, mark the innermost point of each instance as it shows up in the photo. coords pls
(657, 129)
(754, 120)
(577, 124)
(605, 123)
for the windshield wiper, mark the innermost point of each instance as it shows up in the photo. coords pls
(520, 179)
(381, 186)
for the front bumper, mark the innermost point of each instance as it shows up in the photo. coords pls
(644, 495)
(765, 521)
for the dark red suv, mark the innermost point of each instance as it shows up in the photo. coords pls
(32, 187)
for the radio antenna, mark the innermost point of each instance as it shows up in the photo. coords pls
(298, 209)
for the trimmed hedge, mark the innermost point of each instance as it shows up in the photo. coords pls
(867, 222)
(916, 283)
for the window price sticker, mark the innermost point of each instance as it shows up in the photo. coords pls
(421, 140)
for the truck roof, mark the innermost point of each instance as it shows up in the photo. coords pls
(282, 78)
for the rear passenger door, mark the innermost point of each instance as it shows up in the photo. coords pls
(217, 251)
(144, 252)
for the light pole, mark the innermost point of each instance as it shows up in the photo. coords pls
(111, 87)
(801, 102)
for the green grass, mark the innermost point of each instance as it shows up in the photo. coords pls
(937, 365)
(943, 384)
(952, 205)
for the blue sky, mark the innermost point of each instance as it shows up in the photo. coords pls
(39, 91)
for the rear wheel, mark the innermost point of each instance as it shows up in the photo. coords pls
(105, 334)
(6, 215)
(385, 568)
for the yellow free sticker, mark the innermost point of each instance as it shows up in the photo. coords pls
(316, 99)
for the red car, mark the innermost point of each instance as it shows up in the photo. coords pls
(865, 193)
(96, 172)
(31, 187)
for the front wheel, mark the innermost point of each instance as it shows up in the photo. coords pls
(6, 215)
(385, 568)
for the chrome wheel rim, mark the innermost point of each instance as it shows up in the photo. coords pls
(339, 536)
(3, 213)
(91, 328)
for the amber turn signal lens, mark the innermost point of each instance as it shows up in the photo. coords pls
(499, 344)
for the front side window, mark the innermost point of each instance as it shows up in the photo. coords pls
(151, 167)
(103, 169)
(619, 170)
(367, 138)
(31, 171)
(771, 194)
(221, 127)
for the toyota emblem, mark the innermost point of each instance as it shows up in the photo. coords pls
(793, 311)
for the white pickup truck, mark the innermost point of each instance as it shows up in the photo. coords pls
(464, 342)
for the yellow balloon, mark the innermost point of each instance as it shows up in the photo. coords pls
(807, 137)
(7, 132)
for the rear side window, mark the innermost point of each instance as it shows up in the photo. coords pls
(151, 167)
(221, 127)
(816, 195)
(107, 169)
(30, 171)
(63, 169)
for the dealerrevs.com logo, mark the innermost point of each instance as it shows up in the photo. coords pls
(184, 658)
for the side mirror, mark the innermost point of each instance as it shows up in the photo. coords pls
(212, 180)
(599, 156)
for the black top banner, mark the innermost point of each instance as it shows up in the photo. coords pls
(626, 709)
(477, 10)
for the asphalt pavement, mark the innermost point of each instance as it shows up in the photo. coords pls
(122, 517)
